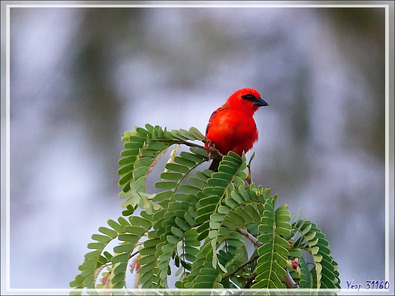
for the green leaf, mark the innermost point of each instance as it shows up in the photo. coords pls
(182, 224)
(165, 184)
(173, 239)
(101, 238)
(273, 254)
(177, 167)
(109, 232)
(171, 176)
(177, 232)
(324, 273)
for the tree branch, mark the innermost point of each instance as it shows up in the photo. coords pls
(288, 280)
(249, 281)
(250, 237)
(209, 149)
(134, 254)
(241, 266)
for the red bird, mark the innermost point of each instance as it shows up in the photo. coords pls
(231, 127)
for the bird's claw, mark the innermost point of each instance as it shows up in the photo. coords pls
(210, 146)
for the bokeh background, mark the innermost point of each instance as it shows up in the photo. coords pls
(80, 77)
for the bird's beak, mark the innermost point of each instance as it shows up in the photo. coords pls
(260, 102)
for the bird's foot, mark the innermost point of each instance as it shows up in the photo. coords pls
(210, 147)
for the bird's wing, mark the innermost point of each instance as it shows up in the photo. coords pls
(222, 108)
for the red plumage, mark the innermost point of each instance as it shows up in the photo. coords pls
(232, 127)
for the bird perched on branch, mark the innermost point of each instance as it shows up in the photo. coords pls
(231, 127)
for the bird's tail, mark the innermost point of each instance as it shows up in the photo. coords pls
(214, 165)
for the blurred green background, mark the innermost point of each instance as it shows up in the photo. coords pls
(80, 77)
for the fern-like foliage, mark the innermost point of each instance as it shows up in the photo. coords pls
(312, 240)
(273, 254)
(208, 229)
(128, 232)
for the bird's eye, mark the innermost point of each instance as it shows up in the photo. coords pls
(249, 97)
